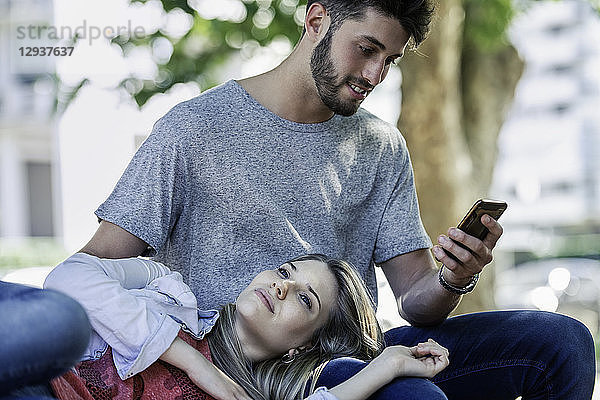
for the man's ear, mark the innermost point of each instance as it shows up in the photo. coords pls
(317, 22)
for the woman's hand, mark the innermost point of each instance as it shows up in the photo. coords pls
(424, 360)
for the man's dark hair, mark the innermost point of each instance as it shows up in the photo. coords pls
(414, 15)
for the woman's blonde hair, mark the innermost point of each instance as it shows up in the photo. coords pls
(351, 330)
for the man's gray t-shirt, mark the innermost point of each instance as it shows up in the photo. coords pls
(223, 188)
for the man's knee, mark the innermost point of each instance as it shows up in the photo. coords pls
(562, 331)
(44, 333)
(569, 337)
(573, 328)
(341, 369)
(45, 324)
(567, 345)
(66, 324)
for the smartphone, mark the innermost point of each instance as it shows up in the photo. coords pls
(471, 223)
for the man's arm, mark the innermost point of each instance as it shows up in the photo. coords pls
(112, 241)
(414, 281)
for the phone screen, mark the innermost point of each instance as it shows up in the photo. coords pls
(471, 223)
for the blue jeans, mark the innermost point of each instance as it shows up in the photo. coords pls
(493, 356)
(42, 334)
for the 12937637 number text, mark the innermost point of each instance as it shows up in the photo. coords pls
(45, 51)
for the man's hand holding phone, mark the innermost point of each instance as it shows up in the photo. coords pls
(468, 248)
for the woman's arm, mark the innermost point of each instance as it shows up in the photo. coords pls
(424, 360)
(130, 319)
(202, 372)
(130, 324)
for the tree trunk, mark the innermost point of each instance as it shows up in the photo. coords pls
(431, 120)
(454, 100)
(489, 80)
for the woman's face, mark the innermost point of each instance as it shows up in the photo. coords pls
(281, 308)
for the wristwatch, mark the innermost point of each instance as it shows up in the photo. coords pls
(455, 289)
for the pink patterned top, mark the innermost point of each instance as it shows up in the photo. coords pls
(98, 380)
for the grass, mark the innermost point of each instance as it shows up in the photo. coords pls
(30, 252)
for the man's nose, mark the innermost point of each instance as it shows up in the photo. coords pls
(281, 289)
(374, 72)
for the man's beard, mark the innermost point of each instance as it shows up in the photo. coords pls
(327, 81)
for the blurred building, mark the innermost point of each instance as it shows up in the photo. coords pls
(28, 184)
(548, 165)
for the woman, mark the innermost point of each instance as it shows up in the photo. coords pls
(267, 345)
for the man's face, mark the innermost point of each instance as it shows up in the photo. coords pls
(349, 63)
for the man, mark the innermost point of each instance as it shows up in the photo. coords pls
(257, 171)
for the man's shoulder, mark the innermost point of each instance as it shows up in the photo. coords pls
(201, 117)
(375, 129)
(206, 106)
(368, 119)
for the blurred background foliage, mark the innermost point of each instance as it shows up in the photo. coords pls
(486, 23)
(210, 42)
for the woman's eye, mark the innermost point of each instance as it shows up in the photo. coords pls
(391, 61)
(283, 272)
(306, 300)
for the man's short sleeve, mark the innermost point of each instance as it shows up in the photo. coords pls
(148, 198)
(401, 229)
